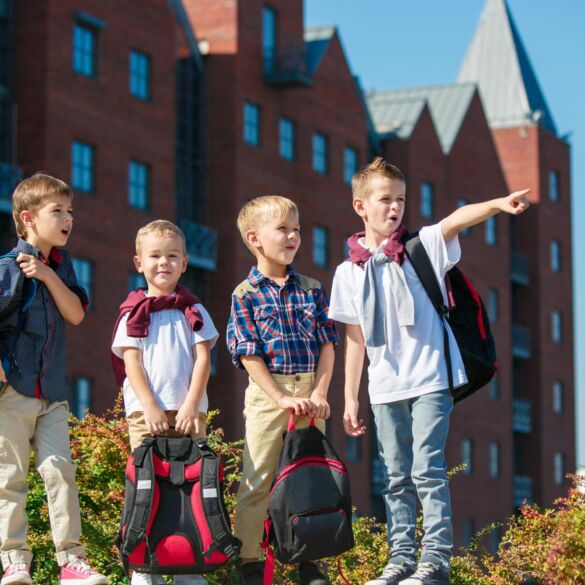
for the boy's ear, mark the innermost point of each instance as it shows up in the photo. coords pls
(358, 206)
(138, 264)
(252, 239)
(26, 217)
(185, 263)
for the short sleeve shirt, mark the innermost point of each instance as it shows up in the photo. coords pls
(413, 362)
(167, 356)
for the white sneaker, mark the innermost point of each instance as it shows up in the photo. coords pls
(17, 574)
(189, 580)
(144, 579)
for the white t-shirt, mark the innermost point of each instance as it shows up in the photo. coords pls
(412, 363)
(167, 356)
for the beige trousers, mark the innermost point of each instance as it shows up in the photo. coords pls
(30, 422)
(265, 425)
(138, 431)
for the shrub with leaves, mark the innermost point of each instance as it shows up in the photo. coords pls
(547, 545)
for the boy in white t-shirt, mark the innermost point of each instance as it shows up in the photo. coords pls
(387, 313)
(161, 351)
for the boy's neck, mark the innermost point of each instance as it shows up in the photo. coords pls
(273, 270)
(374, 240)
(43, 247)
(155, 291)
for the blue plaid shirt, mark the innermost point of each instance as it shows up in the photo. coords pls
(285, 325)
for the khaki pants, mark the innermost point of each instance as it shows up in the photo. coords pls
(265, 425)
(30, 422)
(138, 431)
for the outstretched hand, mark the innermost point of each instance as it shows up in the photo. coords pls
(515, 203)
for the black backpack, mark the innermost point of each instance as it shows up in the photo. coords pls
(309, 511)
(175, 521)
(467, 318)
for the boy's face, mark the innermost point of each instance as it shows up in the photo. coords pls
(277, 240)
(50, 223)
(162, 261)
(383, 210)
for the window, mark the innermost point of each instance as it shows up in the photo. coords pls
(553, 186)
(491, 235)
(320, 246)
(427, 196)
(555, 256)
(468, 531)
(84, 50)
(558, 397)
(320, 155)
(350, 162)
(84, 273)
(495, 538)
(139, 78)
(493, 304)
(136, 281)
(467, 456)
(463, 203)
(82, 166)
(251, 124)
(138, 184)
(494, 460)
(494, 388)
(559, 468)
(353, 451)
(287, 142)
(557, 326)
(81, 397)
(269, 37)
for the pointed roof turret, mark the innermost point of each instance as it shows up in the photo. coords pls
(497, 61)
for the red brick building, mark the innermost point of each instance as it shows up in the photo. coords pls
(207, 104)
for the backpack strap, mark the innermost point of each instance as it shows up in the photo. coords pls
(426, 274)
(142, 505)
(212, 505)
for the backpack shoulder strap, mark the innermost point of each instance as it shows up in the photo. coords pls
(142, 505)
(426, 274)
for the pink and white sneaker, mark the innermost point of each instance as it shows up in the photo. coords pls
(17, 574)
(78, 572)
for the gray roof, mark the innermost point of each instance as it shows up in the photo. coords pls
(317, 39)
(397, 112)
(497, 61)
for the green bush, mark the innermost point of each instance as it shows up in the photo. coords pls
(548, 545)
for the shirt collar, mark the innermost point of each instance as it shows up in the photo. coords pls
(26, 248)
(380, 248)
(255, 277)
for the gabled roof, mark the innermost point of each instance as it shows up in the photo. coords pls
(317, 39)
(497, 61)
(398, 111)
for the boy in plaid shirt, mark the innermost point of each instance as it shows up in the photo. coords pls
(280, 334)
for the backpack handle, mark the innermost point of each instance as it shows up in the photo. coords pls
(291, 421)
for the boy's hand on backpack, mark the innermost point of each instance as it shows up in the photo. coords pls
(33, 267)
(352, 425)
(156, 419)
(322, 408)
(187, 418)
(301, 406)
(515, 203)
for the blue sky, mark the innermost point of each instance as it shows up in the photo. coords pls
(405, 43)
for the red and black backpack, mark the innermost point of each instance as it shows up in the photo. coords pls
(466, 315)
(175, 521)
(309, 510)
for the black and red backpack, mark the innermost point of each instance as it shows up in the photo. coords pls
(309, 510)
(175, 521)
(466, 315)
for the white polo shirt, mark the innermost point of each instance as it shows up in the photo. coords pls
(167, 355)
(412, 363)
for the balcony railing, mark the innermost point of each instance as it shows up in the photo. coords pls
(521, 416)
(522, 490)
(519, 269)
(287, 67)
(201, 244)
(9, 177)
(521, 342)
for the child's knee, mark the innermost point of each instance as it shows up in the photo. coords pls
(54, 469)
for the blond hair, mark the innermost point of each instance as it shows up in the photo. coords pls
(360, 182)
(162, 228)
(32, 192)
(261, 210)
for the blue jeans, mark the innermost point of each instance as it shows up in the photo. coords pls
(411, 440)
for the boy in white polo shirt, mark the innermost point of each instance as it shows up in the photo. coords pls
(387, 313)
(161, 351)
